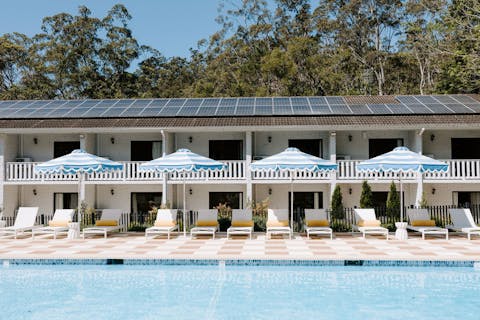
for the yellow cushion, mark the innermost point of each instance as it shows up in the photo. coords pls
(106, 223)
(281, 223)
(318, 223)
(164, 223)
(423, 223)
(369, 223)
(242, 223)
(207, 223)
(58, 223)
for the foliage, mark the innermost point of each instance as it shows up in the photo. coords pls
(338, 226)
(260, 223)
(390, 226)
(366, 200)
(393, 202)
(337, 203)
(423, 202)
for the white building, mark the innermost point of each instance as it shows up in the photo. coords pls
(237, 131)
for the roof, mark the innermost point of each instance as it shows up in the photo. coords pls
(240, 107)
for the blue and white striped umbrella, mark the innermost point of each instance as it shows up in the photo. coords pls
(78, 161)
(183, 160)
(293, 159)
(401, 159)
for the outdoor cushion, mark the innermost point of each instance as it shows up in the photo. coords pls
(164, 223)
(423, 223)
(207, 223)
(106, 223)
(242, 223)
(58, 223)
(369, 223)
(281, 223)
(318, 223)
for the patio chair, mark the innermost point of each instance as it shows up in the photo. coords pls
(277, 223)
(462, 221)
(316, 223)
(242, 223)
(207, 223)
(420, 221)
(367, 223)
(25, 221)
(165, 223)
(58, 224)
(109, 222)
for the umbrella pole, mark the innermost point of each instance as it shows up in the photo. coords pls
(401, 196)
(291, 199)
(184, 209)
(80, 197)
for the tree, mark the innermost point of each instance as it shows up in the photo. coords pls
(366, 200)
(393, 202)
(337, 203)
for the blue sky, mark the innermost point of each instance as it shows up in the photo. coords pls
(171, 26)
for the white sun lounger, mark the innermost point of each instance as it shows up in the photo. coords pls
(60, 215)
(107, 214)
(242, 216)
(422, 214)
(462, 221)
(277, 216)
(207, 223)
(368, 215)
(315, 215)
(165, 223)
(25, 221)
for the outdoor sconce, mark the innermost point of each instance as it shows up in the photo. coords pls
(35, 140)
(349, 190)
(432, 137)
(190, 191)
(112, 191)
(433, 190)
(269, 139)
(350, 137)
(270, 191)
(112, 140)
(34, 192)
(190, 139)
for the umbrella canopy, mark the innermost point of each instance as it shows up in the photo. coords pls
(78, 161)
(182, 161)
(293, 160)
(401, 159)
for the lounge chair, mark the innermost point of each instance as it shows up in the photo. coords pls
(367, 223)
(207, 223)
(420, 221)
(165, 223)
(58, 224)
(277, 223)
(316, 223)
(462, 221)
(25, 221)
(110, 221)
(242, 223)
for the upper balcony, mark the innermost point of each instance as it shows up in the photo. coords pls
(23, 173)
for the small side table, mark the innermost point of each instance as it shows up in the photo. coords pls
(73, 230)
(401, 233)
(3, 224)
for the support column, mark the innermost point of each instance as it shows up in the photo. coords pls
(248, 161)
(165, 176)
(3, 139)
(418, 147)
(333, 157)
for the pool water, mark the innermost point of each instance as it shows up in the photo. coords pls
(238, 292)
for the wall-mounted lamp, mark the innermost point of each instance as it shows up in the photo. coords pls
(112, 140)
(270, 191)
(350, 137)
(190, 139)
(433, 190)
(190, 191)
(112, 191)
(269, 139)
(35, 140)
(349, 190)
(432, 137)
(34, 192)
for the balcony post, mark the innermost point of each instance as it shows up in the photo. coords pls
(419, 194)
(333, 157)
(248, 161)
(3, 139)
(165, 176)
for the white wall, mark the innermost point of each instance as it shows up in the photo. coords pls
(353, 200)
(43, 150)
(200, 141)
(120, 150)
(279, 197)
(199, 199)
(11, 202)
(441, 147)
(121, 199)
(280, 141)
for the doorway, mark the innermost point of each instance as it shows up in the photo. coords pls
(377, 147)
(65, 200)
(302, 201)
(61, 148)
(465, 148)
(145, 150)
(310, 146)
(225, 149)
(232, 200)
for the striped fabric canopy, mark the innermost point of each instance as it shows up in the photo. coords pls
(78, 161)
(183, 160)
(401, 159)
(293, 159)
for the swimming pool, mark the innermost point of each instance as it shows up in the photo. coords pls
(238, 292)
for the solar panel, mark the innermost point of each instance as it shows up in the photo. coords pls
(123, 103)
(60, 112)
(263, 102)
(459, 108)
(187, 111)
(225, 111)
(211, 102)
(474, 107)
(193, 102)
(360, 109)
(175, 103)
(131, 112)
(407, 99)
(321, 109)
(426, 99)
(246, 102)
(302, 110)
(318, 101)
(439, 108)
(399, 108)
(339, 109)
(40, 113)
(150, 112)
(113, 112)
(77, 112)
(228, 102)
(379, 109)
(142, 103)
(445, 99)
(206, 111)
(464, 99)
(169, 111)
(419, 108)
(244, 111)
(335, 100)
(158, 103)
(94, 112)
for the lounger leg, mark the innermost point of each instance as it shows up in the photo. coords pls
(446, 236)
(105, 234)
(468, 235)
(423, 235)
(331, 235)
(33, 235)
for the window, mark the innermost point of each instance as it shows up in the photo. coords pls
(61, 148)
(465, 148)
(233, 200)
(143, 202)
(310, 146)
(302, 201)
(145, 150)
(65, 200)
(466, 199)
(225, 149)
(377, 147)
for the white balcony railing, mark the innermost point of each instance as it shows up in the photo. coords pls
(283, 175)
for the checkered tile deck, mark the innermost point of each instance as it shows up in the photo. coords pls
(342, 247)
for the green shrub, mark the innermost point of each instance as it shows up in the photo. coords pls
(337, 203)
(260, 223)
(136, 227)
(224, 223)
(338, 226)
(390, 226)
(366, 200)
(393, 202)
